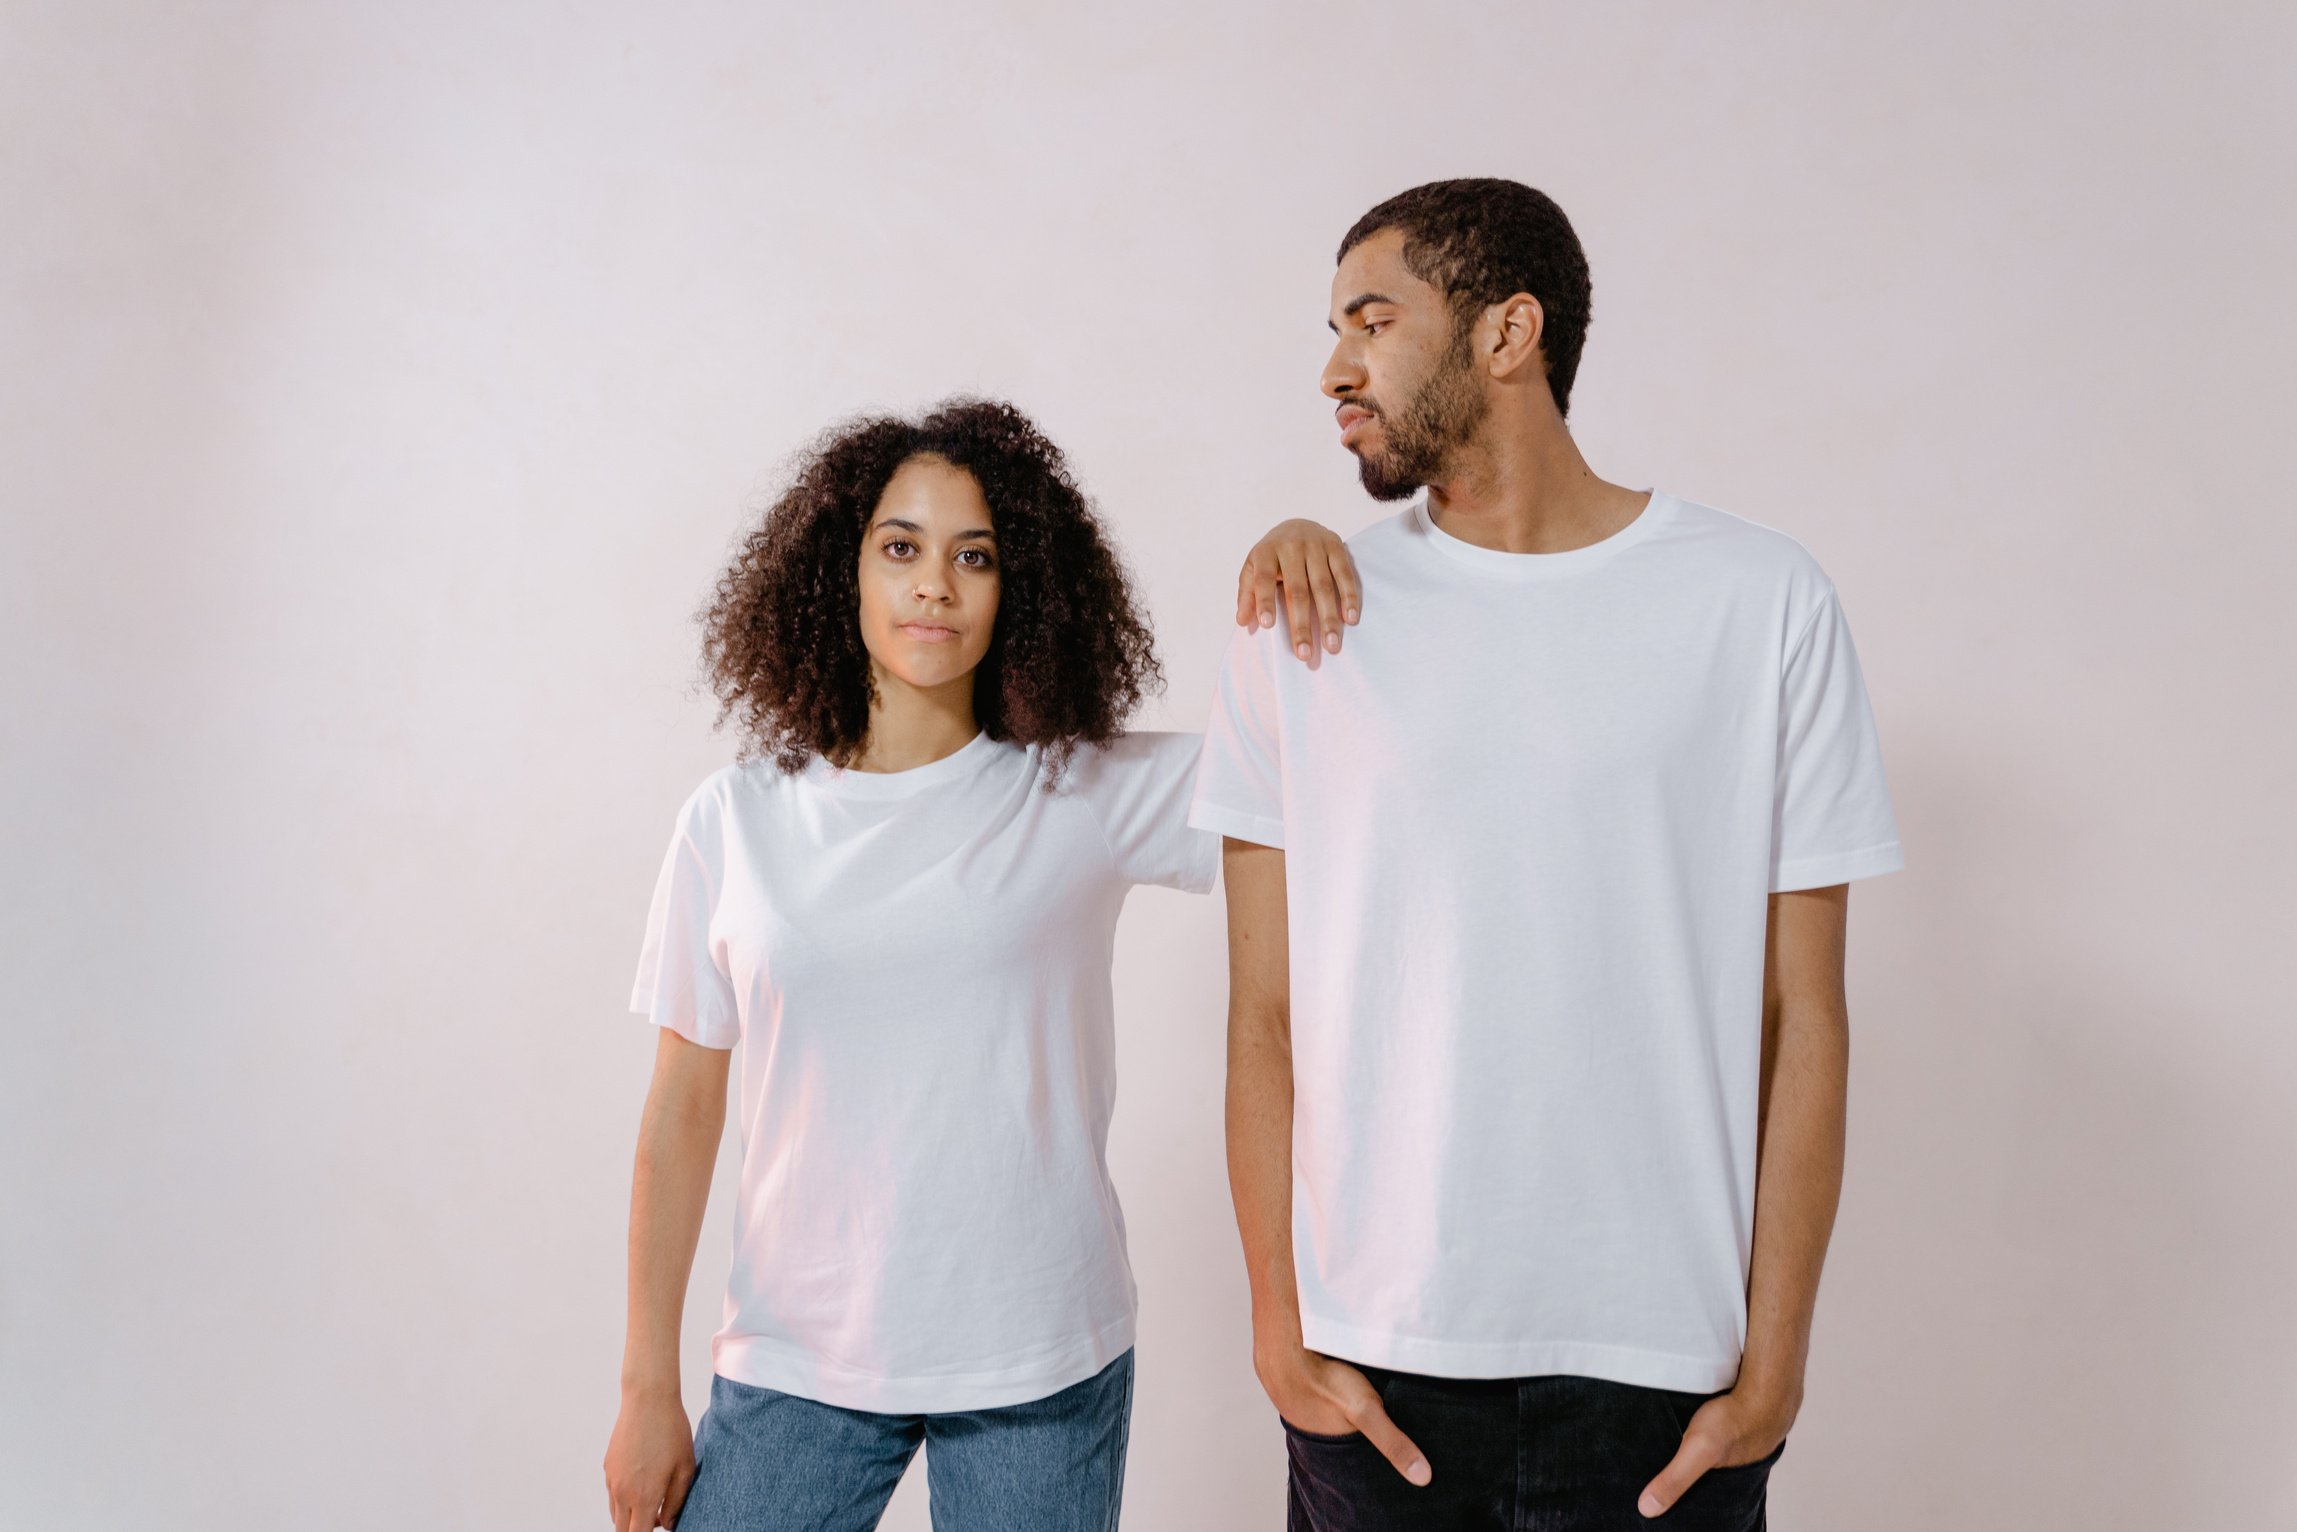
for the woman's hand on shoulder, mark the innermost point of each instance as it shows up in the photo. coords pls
(1310, 563)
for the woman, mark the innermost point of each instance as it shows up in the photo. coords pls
(903, 901)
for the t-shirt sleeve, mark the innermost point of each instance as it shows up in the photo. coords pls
(1138, 788)
(682, 982)
(1240, 782)
(1832, 821)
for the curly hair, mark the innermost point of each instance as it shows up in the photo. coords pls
(1069, 655)
(1482, 240)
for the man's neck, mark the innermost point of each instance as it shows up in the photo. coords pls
(1529, 491)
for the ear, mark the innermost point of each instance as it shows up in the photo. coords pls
(1519, 324)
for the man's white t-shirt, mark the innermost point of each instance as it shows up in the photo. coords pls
(917, 966)
(1533, 812)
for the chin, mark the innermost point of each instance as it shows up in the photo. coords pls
(1380, 484)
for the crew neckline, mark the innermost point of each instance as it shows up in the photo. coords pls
(844, 783)
(1544, 566)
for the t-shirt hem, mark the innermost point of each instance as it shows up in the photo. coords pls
(1204, 868)
(1237, 824)
(762, 1363)
(694, 1031)
(1826, 871)
(1519, 1359)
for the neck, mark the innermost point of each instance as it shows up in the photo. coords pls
(913, 726)
(1522, 487)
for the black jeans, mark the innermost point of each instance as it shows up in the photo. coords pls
(1549, 1454)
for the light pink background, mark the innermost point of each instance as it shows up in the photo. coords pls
(383, 383)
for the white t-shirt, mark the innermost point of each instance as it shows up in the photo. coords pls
(1534, 810)
(917, 966)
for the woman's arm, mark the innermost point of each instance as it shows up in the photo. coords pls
(1311, 562)
(650, 1460)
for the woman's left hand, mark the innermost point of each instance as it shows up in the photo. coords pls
(1321, 595)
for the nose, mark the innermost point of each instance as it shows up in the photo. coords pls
(932, 586)
(1342, 374)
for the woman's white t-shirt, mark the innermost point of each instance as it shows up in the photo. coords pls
(917, 966)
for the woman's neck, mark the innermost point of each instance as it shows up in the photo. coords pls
(911, 726)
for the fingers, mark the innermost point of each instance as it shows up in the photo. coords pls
(674, 1499)
(1299, 601)
(1699, 1452)
(1344, 577)
(1256, 589)
(1327, 599)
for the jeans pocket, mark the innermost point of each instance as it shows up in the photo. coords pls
(1320, 1437)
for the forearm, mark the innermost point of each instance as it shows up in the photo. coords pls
(1260, 1164)
(670, 1188)
(1797, 1188)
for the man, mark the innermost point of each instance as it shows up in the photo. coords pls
(1537, 1037)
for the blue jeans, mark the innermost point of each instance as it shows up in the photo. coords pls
(1544, 1454)
(772, 1462)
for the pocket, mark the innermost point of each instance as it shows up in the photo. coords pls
(1319, 1437)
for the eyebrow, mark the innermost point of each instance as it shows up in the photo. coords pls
(911, 526)
(1356, 304)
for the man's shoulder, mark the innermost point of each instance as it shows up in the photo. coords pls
(1385, 539)
(1723, 541)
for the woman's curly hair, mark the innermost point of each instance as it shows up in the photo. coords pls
(1069, 657)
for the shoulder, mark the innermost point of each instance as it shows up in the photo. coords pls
(1139, 753)
(1384, 540)
(1732, 547)
(735, 792)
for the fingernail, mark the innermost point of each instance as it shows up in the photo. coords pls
(1649, 1505)
(1332, 642)
(1418, 1472)
(1302, 647)
(1351, 614)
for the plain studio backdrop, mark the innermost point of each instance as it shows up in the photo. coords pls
(383, 388)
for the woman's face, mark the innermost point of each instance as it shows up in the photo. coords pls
(928, 575)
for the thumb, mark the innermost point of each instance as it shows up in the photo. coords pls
(1369, 1416)
(1698, 1453)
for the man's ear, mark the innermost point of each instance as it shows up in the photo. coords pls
(1518, 323)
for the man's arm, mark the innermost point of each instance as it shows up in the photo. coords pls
(650, 1459)
(1315, 1393)
(1798, 1182)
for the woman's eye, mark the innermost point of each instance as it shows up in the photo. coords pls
(898, 549)
(975, 558)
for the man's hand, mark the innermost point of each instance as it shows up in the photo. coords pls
(649, 1462)
(1312, 564)
(1729, 1429)
(1329, 1398)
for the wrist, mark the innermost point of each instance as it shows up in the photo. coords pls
(1772, 1390)
(649, 1384)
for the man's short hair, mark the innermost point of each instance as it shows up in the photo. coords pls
(1481, 241)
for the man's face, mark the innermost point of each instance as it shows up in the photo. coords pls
(1403, 371)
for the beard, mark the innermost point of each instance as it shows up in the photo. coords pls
(1418, 442)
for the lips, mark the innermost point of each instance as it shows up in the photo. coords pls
(1352, 418)
(929, 632)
